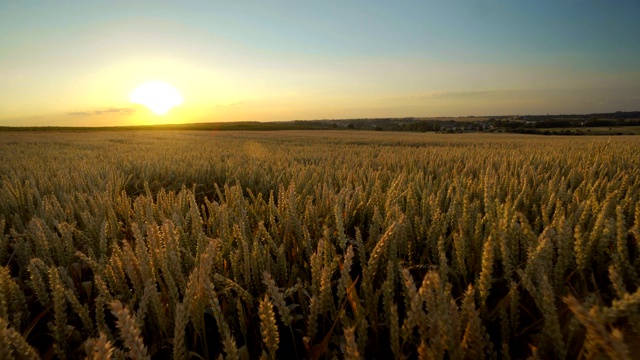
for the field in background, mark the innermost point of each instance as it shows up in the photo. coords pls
(179, 244)
(614, 130)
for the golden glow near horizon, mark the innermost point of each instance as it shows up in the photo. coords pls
(278, 60)
(158, 96)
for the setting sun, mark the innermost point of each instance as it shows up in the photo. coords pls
(158, 96)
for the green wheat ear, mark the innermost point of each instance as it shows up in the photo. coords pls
(268, 328)
(129, 332)
(350, 347)
(99, 348)
(12, 342)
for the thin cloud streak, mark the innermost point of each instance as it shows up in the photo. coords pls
(124, 111)
(453, 94)
(238, 103)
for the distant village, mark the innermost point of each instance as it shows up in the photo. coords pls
(527, 124)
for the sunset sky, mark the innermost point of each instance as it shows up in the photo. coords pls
(76, 63)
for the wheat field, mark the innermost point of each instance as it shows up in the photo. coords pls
(318, 245)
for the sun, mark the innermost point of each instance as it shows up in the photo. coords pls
(158, 96)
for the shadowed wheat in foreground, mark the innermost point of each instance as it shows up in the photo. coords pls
(318, 244)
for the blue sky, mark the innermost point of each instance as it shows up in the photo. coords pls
(279, 60)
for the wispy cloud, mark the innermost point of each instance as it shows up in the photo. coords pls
(451, 94)
(112, 110)
(238, 103)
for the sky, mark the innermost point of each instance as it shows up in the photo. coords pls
(76, 63)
